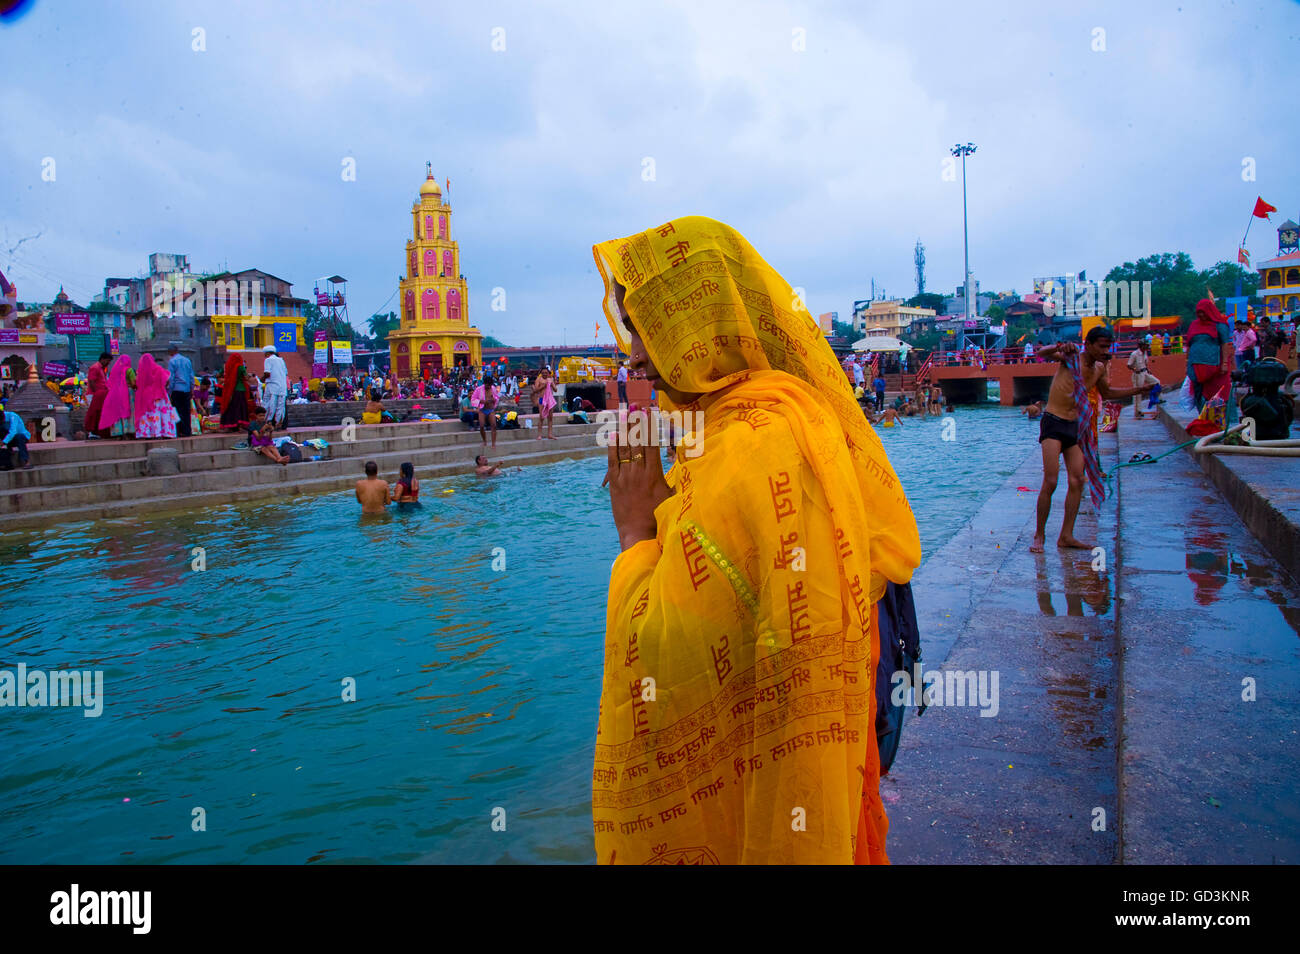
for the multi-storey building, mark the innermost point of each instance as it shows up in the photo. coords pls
(435, 332)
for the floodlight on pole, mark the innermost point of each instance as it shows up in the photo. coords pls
(964, 151)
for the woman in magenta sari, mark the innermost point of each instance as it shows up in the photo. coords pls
(154, 414)
(116, 411)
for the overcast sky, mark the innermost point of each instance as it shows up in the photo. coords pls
(828, 158)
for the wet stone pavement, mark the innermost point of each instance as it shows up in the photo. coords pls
(1206, 776)
(1206, 615)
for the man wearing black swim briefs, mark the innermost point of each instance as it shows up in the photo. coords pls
(1058, 431)
(1051, 427)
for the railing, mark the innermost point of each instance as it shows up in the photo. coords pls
(923, 372)
(1016, 355)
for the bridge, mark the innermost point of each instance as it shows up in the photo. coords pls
(964, 378)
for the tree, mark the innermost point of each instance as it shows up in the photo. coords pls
(931, 300)
(1021, 327)
(381, 325)
(490, 342)
(1176, 284)
(313, 321)
(995, 314)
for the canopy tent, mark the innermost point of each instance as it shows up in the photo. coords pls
(881, 343)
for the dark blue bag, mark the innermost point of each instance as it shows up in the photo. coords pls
(899, 649)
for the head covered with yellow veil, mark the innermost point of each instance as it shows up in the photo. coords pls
(736, 719)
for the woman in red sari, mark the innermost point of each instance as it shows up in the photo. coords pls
(97, 385)
(234, 394)
(1209, 353)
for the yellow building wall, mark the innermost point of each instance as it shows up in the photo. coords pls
(230, 333)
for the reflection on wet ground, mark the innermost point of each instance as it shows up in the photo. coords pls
(1080, 584)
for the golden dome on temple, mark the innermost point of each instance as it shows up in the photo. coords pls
(430, 186)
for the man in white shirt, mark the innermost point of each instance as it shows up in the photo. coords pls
(1137, 365)
(275, 389)
(858, 377)
(1029, 352)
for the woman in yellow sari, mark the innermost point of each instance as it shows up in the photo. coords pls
(737, 708)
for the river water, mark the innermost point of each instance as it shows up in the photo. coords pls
(475, 687)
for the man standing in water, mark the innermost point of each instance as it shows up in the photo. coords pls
(484, 402)
(1059, 431)
(372, 493)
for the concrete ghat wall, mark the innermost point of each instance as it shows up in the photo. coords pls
(1264, 491)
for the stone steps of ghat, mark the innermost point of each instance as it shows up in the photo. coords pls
(107, 510)
(95, 461)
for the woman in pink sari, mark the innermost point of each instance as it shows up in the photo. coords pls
(154, 414)
(544, 388)
(116, 409)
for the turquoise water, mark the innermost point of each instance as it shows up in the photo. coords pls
(476, 688)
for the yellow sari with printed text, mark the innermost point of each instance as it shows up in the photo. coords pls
(737, 709)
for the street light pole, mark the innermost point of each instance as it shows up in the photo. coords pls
(964, 151)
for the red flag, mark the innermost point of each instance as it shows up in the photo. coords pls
(1262, 209)
(1243, 256)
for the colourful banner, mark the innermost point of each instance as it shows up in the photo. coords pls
(73, 324)
(285, 336)
(114, 346)
(322, 336)
(342, 351)
(55, 369)
(322, 354)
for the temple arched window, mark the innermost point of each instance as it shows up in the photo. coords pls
(429, 305)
